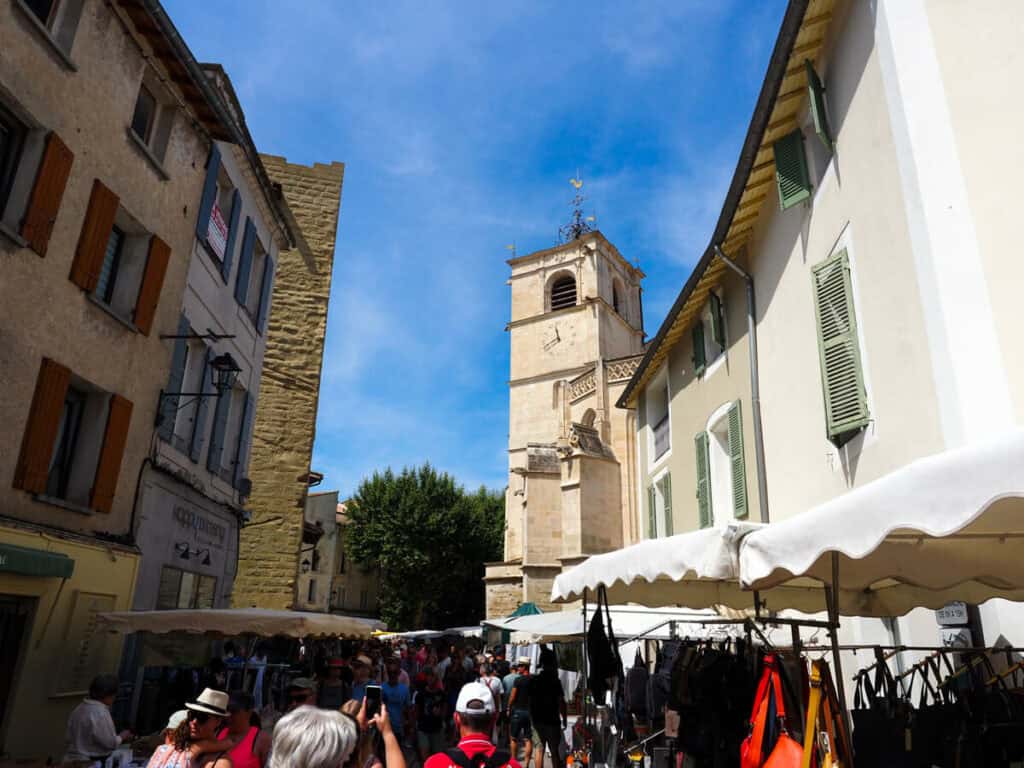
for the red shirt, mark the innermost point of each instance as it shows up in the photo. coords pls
(473, 744)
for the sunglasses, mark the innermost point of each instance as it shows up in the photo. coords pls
(199, 717)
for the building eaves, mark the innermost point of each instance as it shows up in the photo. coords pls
(155, 26)
(271, 191)
(796, 24)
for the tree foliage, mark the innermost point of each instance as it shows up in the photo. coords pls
(430, 539)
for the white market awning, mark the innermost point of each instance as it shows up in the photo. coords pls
(231, 622)
(947, 527)
(698, 569)
(627, 621)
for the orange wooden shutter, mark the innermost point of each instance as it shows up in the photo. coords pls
(92, 243)
(41, 429)
(109, 467)
(152, 282)
(47, 192)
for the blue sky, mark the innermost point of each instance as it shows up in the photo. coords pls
(460, 125)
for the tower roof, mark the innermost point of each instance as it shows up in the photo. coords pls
(594, 236)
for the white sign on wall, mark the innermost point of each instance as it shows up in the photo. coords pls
(956, 637)
(952, 613)
(217, 232)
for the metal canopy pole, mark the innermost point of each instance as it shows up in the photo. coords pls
(584, 662)
(832, 603)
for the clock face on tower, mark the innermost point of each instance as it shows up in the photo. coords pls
(550, 338)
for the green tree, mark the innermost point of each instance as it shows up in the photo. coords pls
(430, 539)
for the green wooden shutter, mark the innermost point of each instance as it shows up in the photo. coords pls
(220, 423)
(791, 175)
(816, 98)
(736, 461)
(699, 359)
(652, 511)
(666, 493)
(245, 262)
(717, 319)
(842, 377)
(703, 480)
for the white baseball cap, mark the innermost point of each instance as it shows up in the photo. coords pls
(475, 699)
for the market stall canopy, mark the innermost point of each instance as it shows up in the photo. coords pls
(628, 622)
(239, 621)
(698, 569)
(947, 527)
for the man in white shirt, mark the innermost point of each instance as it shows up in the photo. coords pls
(91, 736)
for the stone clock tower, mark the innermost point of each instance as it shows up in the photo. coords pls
(577, 336)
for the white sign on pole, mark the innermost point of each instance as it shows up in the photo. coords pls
(217, 232)
(956, 637)
(952, 613)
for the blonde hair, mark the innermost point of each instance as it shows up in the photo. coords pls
(308, 737)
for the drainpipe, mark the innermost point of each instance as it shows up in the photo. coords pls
(755, 387)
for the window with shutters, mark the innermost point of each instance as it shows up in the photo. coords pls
(73, 441)
(311, 594)
(152, 120)
(256, 275)
(34, 169)
(839, 352)
(364, 599)
(658, 415)
(561, 292)
(726, 468)
(659, 513)
(192, 419)
(56, 21)
(708, 337)
(122, 252)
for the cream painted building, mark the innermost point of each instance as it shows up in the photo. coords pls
(355, 589)
(576, 333)
(869, 209)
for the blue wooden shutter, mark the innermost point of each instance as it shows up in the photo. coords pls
(244, 440)
(268, 284)
(245, 262)
(703, 480)
(169, 404)
(699, 357)
(652, 513)
(791, 176)
(220, 424)
(199, 424)
(666, 494)
(209, 192)
(737, 462)
(229, 248)
(816, 98)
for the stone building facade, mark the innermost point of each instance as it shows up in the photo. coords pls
(105, 125)
(576, 334)
(285, 425)
(355, 589)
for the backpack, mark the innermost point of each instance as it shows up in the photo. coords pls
(498, 759)
(636, 687)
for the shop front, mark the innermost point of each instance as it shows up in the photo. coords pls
(51, 590)
(189, 544)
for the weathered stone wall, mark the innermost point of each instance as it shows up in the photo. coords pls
(289, 392)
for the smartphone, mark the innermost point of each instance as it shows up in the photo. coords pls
(372, 700)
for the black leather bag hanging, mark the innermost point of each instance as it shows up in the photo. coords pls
(604, 664)
(881, 721)
(636, 687)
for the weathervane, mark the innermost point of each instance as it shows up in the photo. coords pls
(578, 225)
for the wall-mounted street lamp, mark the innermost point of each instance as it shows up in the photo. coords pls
(225, 372)
(305, 565)
(185, 552)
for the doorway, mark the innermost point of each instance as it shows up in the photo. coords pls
(15, 622)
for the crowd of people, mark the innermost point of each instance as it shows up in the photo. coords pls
(373, 706)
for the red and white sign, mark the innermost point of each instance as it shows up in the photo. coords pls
(217, 232)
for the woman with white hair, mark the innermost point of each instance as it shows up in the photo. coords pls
(308, 737)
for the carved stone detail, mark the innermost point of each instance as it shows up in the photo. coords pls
(582, 385)
(622, 369)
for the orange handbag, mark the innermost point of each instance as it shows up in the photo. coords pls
(752, 748)
(788, 753)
